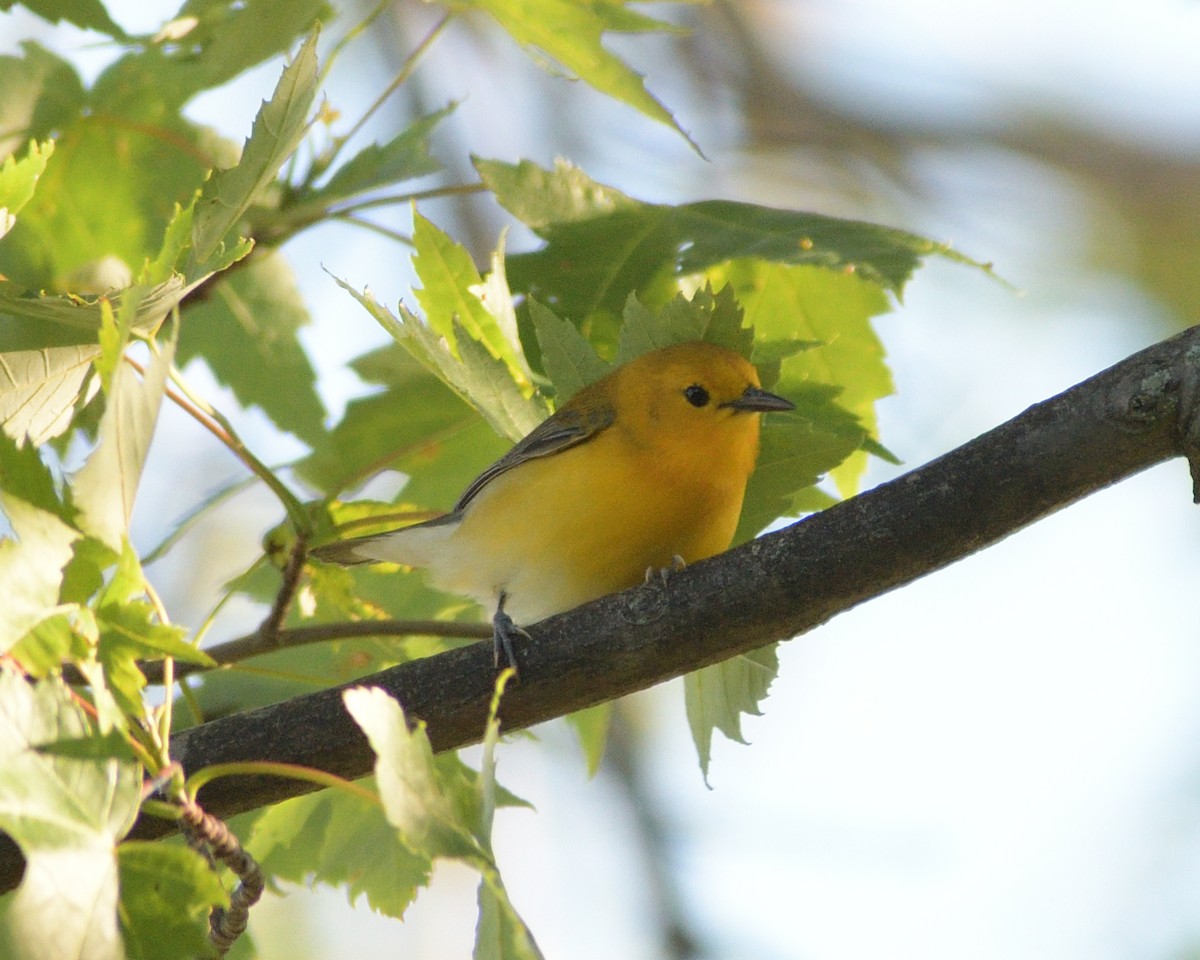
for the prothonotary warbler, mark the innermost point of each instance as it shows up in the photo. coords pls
(643, 468)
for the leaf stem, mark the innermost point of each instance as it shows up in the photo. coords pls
(216, 423)
(268, 768)
(406, 69)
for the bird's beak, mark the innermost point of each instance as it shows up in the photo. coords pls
(754, 400)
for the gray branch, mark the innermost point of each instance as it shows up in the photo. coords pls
(1134, 415)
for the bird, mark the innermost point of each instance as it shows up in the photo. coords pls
(643, 469)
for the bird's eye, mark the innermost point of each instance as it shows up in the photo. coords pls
(696, 395)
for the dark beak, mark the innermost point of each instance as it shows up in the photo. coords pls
(754, 400)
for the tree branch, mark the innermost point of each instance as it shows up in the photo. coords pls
(1134, 415)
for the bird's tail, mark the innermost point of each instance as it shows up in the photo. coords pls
(414, 545)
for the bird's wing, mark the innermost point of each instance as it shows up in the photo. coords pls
(568, 427)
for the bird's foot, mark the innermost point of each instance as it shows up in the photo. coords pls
(662, 573)
(504, 631)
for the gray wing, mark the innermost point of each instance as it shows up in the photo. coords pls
(567, 428)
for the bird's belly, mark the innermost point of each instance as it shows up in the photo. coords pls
(550, 545)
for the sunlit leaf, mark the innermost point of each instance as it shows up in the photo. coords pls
(717, 696)
(277, 131)
(449, 293)
(106, 485)
(569, 360)
(18, 178)
(475, 375)
(404, 157)
(86, 14)
(247, 331)
(166, 896)
(66, 814)
(570, 32)
(338, 839)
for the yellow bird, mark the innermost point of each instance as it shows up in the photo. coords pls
(643, 468)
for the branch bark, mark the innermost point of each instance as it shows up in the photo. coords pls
(1134, 415)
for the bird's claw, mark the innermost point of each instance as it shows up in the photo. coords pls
(677, 564)
(504, 631)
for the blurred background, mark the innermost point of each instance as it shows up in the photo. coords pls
(1002, 760)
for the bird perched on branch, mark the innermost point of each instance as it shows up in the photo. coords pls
(643, 468)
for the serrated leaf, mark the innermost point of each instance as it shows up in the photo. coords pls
(337, 838)
(39, 388)
(417, 800)
(835, 311)
(717, 696)
(106, 485)
(570, 32)
(500, 934)
(247, 332)
(475, 375)
(40, 322)
(797, 449)
(591, 264)
(543, 198)
(568, 358)
(66, 815)
(408, 424)
(42, 650)
(31, 566)
(167, 894)
(703, 316)
(449, 293)
(277, 131)
(18, 178)
(85, 14)
(404, 157)
(132, 626)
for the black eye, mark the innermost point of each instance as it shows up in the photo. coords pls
(696, 395)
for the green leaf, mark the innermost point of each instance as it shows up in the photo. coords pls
(247, 332)
(593, 260)
(500, 933)
(591, 726)
(34, 322)
(66, 814)
(475, 375)
(213, 42)
(106, 485)
(86, 14)
(405, 428)
(834, 309)
(132, 626)
(39, 388)
(18, 179)
(42, 94)
(570, 32)
(717, 696)
(25, 476)
(419, 801)
(166, 896)
(568, 358)
(41, 651)
(703, 316)
(450, 295)
(129, 630)
(278, 129)
(404, 157)
(31, 566)
(542, 198)
(337, 838)
(796, 450)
